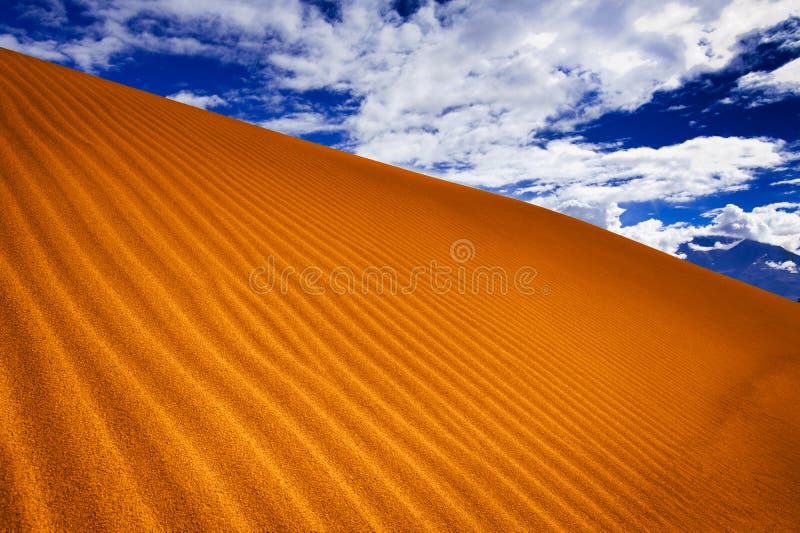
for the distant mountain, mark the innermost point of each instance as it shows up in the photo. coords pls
(766, 266)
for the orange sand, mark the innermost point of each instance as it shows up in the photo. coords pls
(144, 386)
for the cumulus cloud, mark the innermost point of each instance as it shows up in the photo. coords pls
(198, 100)
(788, 266)
(777, 224)
(467, 85)
(590, 183)
(438, 87)
(666, 238)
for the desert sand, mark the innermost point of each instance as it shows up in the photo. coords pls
(144, 385)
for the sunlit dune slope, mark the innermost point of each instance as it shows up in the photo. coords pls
(145, 385)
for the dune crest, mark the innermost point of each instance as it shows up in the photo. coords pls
(151, 377)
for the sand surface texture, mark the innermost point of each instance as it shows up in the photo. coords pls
(145, 386)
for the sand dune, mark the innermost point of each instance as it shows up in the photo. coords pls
(145, 385)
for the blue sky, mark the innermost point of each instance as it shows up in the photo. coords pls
(660, 121)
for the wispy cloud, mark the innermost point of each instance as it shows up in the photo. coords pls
(793, 181)
(303, 123)
(46, 12)
(772, 86)
(44, 49)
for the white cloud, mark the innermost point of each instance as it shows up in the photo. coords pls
(590, 183)
(91, 53)
(666, 238)
(461, 91)
(240, 17)
(793, 181)
(773, 85)
(302, 123)
(111, 33)
(777, 224)
(47, 50)
(716, 246)
(788, 266)
(197, 100)
(454, 80)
